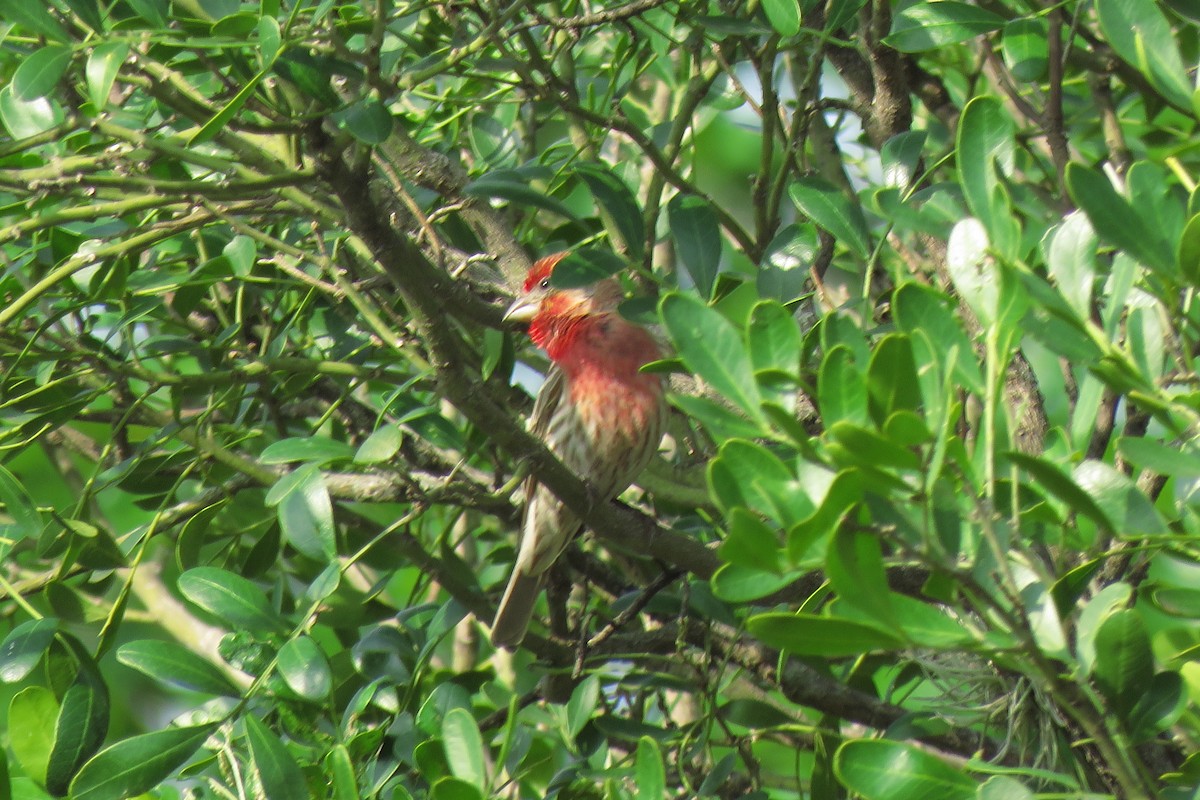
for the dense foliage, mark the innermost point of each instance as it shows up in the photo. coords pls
(924, 526)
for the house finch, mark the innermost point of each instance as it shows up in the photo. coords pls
(596, 412)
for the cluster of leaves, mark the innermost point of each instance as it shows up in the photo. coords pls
(927, 527)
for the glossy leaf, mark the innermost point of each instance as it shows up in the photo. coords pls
(985, 151)
(464, 747)
(175, 665)
(380, 446)
(306, 515)
(751, 542)
(886, 770)
(310, 449)
(79, 730)
(31, 736)
(713, 349)
(35, 17)
(697, 237)
(842, 388)
(137, 764)
(1025, 48)
(1115, 220)
(24, 646)
(929, 25)
(41, 71)
(1141, 35)
(230, 598)
(651, 774)
(834, 211)
(808, 634)
(275, 768)
(614, 196)
(103, 66)
(784, 16)
(1124, 664)
(303, 666)
(854, 565)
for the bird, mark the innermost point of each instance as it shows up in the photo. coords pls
(596, 411)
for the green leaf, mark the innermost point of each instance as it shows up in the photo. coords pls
(1003, 787)
(1142, 37)
(456, 789)
(1112, 598)
(754, 714)
(1124, 663)
(138, 764)
(878, 769)
(582, 705)
(736, 583)
(79, 730)
(854, 565)
(174, 665)
(153, 11)
(930, 25)
(305, 669)
(368, 120)
(340, 766)
(830, 208)
(1116, 222)
(464, 747)
(230, 598)
(861, 447)
(1159, 706)
(697, 236)
(585, 266)
(1130, 510)
(614, 196)
(721, 421)
(310, 74)
(1179, 462)
(380, 446)
(227, 112)
(241, 252)
(30, 734)
(1049, 477)
(22, 649)
(40, 71)
(649, 770)
(774, 338)
(844, 492)
(311, 449)
(1071, 261)
(841, 388)
(901, 157)
(751, 542)
(306, 515)
(986, 149)
(892, 378)
(278, 773)
(103, 66)
(1024, 46)
(35, 17)
(927, 626)
(25, 118)
(1189, 251)
(712, 348)
(520, 194)
(828, 637)
(920, 308)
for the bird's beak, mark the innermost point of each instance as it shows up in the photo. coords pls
(524, 309)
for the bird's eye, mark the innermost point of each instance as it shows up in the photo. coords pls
(545, 284)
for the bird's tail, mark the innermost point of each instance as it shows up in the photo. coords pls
(516, 607)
